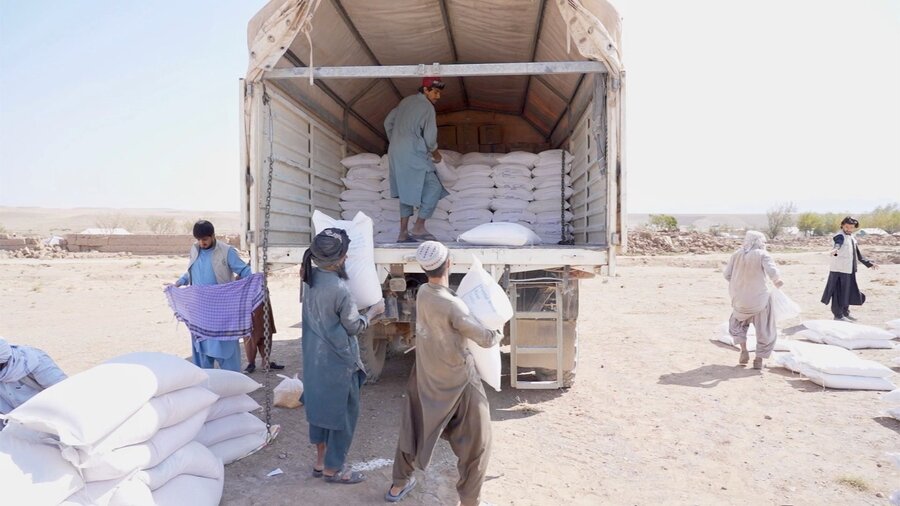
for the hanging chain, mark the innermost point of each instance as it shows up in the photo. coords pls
(267, 328)
(562, 198)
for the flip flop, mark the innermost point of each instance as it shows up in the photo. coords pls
(317, 473)
(352, 477)
(411, 239)
(423, 238)
(406, 490)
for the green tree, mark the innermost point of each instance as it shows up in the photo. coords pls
(810, 223)
(663, 222)
(886, 217)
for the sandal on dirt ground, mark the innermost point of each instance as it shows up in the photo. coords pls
(406, 490)
(408, 240)
(317, 473)
(345, 476)
(423, 237)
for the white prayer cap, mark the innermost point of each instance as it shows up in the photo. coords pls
(5, 351)
(431, 255)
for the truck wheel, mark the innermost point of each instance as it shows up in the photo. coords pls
(372, 351)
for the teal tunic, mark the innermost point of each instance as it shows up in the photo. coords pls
(412, 132)
(330, 325)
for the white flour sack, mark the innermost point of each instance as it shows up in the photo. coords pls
(489, 304)
(360, 160)
(500, 234)
(363, 278)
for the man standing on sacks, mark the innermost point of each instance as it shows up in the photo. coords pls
(412, 132)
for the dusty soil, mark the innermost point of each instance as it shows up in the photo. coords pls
(658, 414)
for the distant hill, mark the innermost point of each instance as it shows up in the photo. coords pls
(48, 221)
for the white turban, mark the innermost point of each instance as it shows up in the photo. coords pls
(5, 351)
(431, 255)
(753, 240)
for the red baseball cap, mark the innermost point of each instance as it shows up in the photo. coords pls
(432, 82)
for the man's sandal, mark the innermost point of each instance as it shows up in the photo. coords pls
(389, 497)
(345, 476)
(317, 473)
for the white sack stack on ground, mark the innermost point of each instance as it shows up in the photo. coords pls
(113, 422)
(834, 367)
(852, 336)
(231, 432)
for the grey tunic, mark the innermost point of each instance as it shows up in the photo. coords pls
(412, 131)
(330, 325)
(444, 370)
(746, 274)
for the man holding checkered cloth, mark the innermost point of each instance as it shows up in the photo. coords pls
(445, 397)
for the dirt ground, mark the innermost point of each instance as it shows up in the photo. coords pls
(659, 414)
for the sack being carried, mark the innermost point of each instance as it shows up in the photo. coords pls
(489, 304)
(363, 278)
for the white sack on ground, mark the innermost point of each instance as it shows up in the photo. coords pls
(500, 234)
(287, 393)
(161, 412)
(225, 383)
(847, 330)
(894, 324)
(32, 472)
(88, 406)
(893, 396)
(192, 458)
(841, 382)
(124, 461)
(202, 491)
(361, 159)
(229, 427)
(225, 406)
(363, 277)
(121, 492)
(490, 305)
(231, 450)
(835, 360)
(850, 344)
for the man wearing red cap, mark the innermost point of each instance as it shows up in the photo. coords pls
(412, 132)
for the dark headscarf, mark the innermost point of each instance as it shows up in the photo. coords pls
(327, 249)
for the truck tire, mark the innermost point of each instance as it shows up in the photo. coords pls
(372, 351)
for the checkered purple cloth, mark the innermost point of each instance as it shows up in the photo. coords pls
(220, 312)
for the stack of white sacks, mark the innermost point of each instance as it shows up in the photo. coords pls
(518, 187)
(852, 336)
(144, 428)
(834, 367)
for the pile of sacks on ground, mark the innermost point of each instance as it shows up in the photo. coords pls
(140, 429)
(827, 359)
(524, 189)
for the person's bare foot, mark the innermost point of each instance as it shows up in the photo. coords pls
(745, 357)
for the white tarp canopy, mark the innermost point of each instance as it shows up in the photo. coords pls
(337, 33)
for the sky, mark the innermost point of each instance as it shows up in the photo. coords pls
(732, 106)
